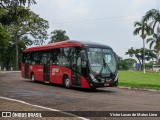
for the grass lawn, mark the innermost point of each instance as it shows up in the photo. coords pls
(137, 79)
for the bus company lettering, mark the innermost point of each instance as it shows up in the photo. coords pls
(40, 70)
(15, 114)
(55, 70)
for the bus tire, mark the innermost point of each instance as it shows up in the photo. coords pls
(32, 77)
(66, 82)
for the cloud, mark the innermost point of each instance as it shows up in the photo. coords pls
(81, 9)
(96, 20)
(138, 2)
(69, 9)
(137, 10)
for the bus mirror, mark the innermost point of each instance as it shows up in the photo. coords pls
(83, 55)
(116, 56)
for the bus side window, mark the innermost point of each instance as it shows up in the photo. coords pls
(36, 58)
(58, 56)
(52, 60)
(64, 59)
(27, 58)
(73, 58)
(44, 58)
(55, 56)
(32, 58)
(69, 56)
(41, 58)
(49, 58)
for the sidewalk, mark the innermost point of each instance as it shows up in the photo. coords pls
(11, 106)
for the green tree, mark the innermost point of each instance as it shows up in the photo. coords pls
(23, 22)
(156, 41)
(143, 29)
(4, 37)
(138, 53)
(8, 53)
(150, 64)
(130, 62)
(122, 65)
(34, 26)
(4, 41)
(126, 63)
(58, 35)
(153, 16)
(153, 19)
(12, 12)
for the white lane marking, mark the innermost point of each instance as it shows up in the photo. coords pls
(47, 108)
(9, 72)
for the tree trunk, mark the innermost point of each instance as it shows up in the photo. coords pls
(16, 36)
(143, 61)
(16, 44)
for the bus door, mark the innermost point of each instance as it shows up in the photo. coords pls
(76, 68)
(46, 67)
(27, 70)
(46, 73)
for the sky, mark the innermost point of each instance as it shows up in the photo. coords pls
(108, 22)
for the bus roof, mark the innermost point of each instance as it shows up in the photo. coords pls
(92, 44)
(67, 43)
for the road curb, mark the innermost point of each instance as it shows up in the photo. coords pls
(152, 90)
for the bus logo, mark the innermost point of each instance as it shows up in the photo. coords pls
(6, 114)
(55, 70)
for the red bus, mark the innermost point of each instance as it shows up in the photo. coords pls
(72, 64)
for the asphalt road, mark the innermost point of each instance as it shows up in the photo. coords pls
(57, 97)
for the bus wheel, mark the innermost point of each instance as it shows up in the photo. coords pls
(32, 77)
(67, 82)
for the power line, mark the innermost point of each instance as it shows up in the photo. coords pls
(118, 17)
(101, 20)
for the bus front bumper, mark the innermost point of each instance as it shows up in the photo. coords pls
(104, 84)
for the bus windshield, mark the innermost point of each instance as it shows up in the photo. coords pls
(102, 60)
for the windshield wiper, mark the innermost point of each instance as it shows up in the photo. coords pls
(105, 65)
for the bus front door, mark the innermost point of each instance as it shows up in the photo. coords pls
(76, 70)
(46, 73)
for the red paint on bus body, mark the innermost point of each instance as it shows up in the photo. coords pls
(23, 70)
(54, 46)
(57, 73)
(37, 70)
(84, 83)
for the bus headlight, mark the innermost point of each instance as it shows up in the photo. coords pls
(93, 78)
(115, 79)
